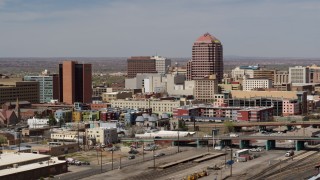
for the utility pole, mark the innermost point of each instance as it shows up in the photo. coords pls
(19, 134)
(120, 163)
(78, 138)
(112, 160)
(97, 156)
(178, 140)
(142, 151)
(231, 163)
(154, 160)
(101, 160)
(225, 159)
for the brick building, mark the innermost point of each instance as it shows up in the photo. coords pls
(75, 82)
(207, 58)
(140, 64)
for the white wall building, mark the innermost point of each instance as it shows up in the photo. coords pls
(298, 74)
(238, 73)
(250, 84)
(102, 136)
(162, 64)
(177, 85)
(138, 81)
(38, 123)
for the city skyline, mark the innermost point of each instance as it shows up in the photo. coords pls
(112, 29)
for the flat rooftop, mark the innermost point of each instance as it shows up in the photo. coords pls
(28, 167)
(8, 159)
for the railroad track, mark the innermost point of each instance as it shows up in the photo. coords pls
(154, 174)
(295, 168)
(267, 171)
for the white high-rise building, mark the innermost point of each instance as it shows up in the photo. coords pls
(298, 74)
(162, 64)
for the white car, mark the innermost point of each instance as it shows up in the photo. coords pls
(234, 135)
(218, 148)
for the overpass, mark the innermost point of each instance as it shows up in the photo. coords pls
(244, 141)
(252, 124)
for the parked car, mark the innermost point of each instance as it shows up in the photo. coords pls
(114, 148)
(259, 149)
(70, 161)
(131, 157)
(78, 163)
(234, 135)
(159, 155)
(218, 147)
(133, 151)
(85, 163)
(150, 147)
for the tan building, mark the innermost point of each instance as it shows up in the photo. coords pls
(99, 90)
(205, 89)
(158, 106)
(281, 77)
(13, 88)
(67, 136)
(264, 74)
(300, 96)
(314, 74)
(275, 94)
(230, 87)
(110, 96)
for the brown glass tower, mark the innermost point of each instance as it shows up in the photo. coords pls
(75, 82)
(140, 64)
(207, 58)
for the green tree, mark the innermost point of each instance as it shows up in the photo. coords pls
(182, 125)
(52, 120)
(228, 126)
(3, 140)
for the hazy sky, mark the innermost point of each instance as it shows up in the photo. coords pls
(121, 28)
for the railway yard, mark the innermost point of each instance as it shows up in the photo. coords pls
(192, 162)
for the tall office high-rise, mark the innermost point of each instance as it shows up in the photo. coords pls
(75, 82)
(48, 84)
(140, 64)
(207, 58)
(147, 64)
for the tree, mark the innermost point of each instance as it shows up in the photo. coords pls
(3, 140)
(182, 125)
(52, 120)
(228, 126)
